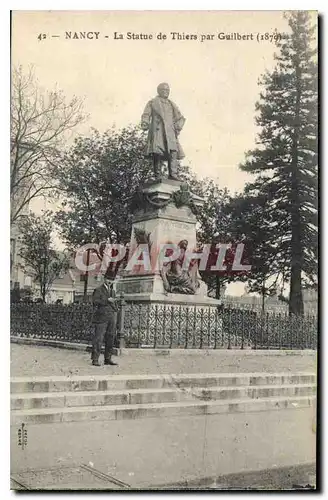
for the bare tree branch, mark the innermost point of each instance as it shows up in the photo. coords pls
(40, 122)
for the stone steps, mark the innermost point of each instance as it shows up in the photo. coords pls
(104, 397)
(159, 410)
(129, 382)
(34, 400)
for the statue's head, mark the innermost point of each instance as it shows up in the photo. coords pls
(163, 90)
(183, 244)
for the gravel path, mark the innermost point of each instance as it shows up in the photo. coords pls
(31, 361)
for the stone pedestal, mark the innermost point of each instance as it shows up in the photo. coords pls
(163, 214)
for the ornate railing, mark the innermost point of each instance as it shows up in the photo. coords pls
(71, 323)
(271, 330)
(169, 326)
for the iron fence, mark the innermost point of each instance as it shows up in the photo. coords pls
(169, 326)
(70, 323)
(180, 326)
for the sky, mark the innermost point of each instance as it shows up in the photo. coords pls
(214, 82)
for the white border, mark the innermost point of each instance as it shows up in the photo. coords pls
(4, 185)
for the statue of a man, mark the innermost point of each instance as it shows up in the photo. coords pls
(164, 122)
(176, 279)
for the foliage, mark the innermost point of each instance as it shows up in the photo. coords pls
(41, 260)
(251, 226)
(101, 178)
(282, 201)
(216, 225)
(98, 177)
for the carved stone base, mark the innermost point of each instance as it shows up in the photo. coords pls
(164, 214)
(150, 288)
(140, 285)
(161, 221)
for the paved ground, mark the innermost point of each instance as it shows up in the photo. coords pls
(33, 361)
(77, 478)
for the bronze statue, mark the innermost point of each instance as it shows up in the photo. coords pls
(179, 280)
(164, 122)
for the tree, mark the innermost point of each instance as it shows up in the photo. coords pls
(40, 120)
(250, 224)
(41, 260)
(98, 178)
(214, 226)
(285, 160)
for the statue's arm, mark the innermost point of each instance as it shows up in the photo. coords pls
(164, 270)
(146, 116)
(179, 120)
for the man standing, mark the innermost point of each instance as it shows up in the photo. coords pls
(164, 122)
(105, 321)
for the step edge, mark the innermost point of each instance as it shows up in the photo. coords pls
(77, 409)
(89, 378)
(160, 390)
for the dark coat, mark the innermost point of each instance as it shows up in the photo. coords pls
(104, 311)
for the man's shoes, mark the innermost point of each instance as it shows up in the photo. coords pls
(110, 362)
(96, 363)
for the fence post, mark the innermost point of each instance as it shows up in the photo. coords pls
(121, 311)
(267, 316)
(230, 327)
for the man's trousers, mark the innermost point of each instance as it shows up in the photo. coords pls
(104, 332)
